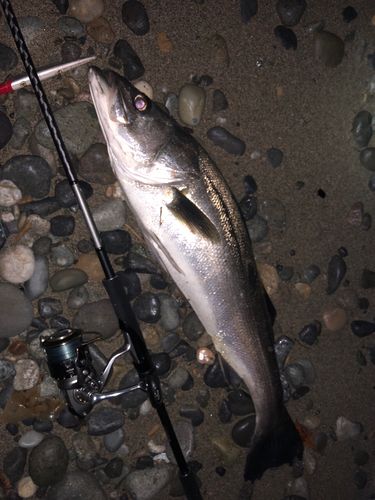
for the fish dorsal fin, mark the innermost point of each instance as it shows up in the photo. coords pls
(191, 216)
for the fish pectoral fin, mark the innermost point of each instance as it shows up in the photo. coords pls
(191, 216)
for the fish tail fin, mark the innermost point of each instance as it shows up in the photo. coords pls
(276, 448)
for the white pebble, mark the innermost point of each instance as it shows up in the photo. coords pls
(345, 429)
(27, 374)
(162, 457)
(26, 488)
(7, 217)
(309, 461)
(17, 264)
(9, 193)
(300, 487)
(221, 120)
(39, 226)
(145, 407)
(154, 448)
(86, 10)
(145, 88)
(255, 155)
(30, 439)
(191, 103)
(123, 451)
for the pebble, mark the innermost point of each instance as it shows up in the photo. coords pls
(158, 282)
(355, 214)
(219, 101)
(215, 52)
(257, 228)
(132, 65)
(361, 128)
(145, 462)
(362, 328)
(345, 429)
(214, 376)
(26, 104)
(274, 157)
(349, 14)
(147, 307)
(110, 216)
(360, 479)
(105, 421)
(310, 273)
(329, 48)
(90, 264)
(334, 319)
(309, 370)
(146, 484)
(67, 419)
(64, 194)
(97, 317)
(62, 256)
(366, 222)
(139, 264)
(282, 347)
(48, 388)
(248, 9)
(30, 26)
(134, 15)
(171, 103)
(286, 273)
(299, 489)
(77, 484)
(295, 374)
(311, 422)
(290, 11)
(170, 341)
(4, 343)
(135, 398)
(117, 241)
(145, 88)
(191, 101)
(114, 467)
(8, 58)
(70, 26)
(193, 413)
(17, 264)
(7, 370)
(68, 278)
(230, 143)
(224, 412)
(6, 129)
(273, 212)
(361, 358)
(367, 158)
(26, 488)
(9, 193)
(192, 327)
(169, 310)
(43, 207)
(16, 311)
(85, 246)
(164, 42)
(78, 125)
(48, 461)
(286, 37)
(309, 334)
(335, 274)
(21, 131)
(17, 348)
(367, 279)
(248, 206)
(100, 30)
(31, 174)
(269, 277)
(226, 451)
(49, 307)
(361, 457)
(113, 441)
(300, 392)
(63, 225)
(243, 431)
(240, 402)
(14, 464)
(371, 183)
(94, 166)
(132, 283)
(185, 435)
(205, 356)
(27, 374)
(30, 439)
(85, 11)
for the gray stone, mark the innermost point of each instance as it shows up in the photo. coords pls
(282, 347)
(14, 464)
(77, 298)
(308, 369)
(48, 461)
(77, 485)
(114, 440)
(295, 374)
(39, 150)
(30, 439)
(105, 420)
(68, 278)
(25, 104)
(78, 125)
(178, 377)
(111, 215)
(30, 27)
(21, 131)
(38, 283)
(257, 228)
(31, 174)
(16, 311)
(192, 327)
(329, 48)
(70, 26)
(146, 484)
(273, 212)
(97, 317)
(169, 310)
(62, 256)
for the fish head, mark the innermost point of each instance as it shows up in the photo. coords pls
(136, 129)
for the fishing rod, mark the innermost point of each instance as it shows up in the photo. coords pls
(68, 356)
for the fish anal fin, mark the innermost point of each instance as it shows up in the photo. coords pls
(191, 216)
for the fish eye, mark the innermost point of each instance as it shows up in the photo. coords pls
(140, 103)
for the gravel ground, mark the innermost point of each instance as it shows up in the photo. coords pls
(290, 101)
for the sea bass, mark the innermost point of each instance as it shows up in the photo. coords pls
(192, 226)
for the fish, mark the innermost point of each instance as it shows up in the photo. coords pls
(192, 225)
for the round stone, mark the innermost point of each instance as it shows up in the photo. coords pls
(367, 158)
(86, 10)
(147, 307)
(134, 15)
(77, 485)
(105, 421)
(48, 461)
(70, 26)
(68, 278)
(16, 311)
(192, 327)
(257, 228)
(17, 263)
(31, 174)
(63, 225)
(26, 488)
(329, 48)
(9, 193)
(191, 101)
(114, 440)
(224, 139)
(334, 319)
(110, 216)
(100, 30)
(94, 165)
(169, 311)
(30, 439)
(97, 317)
(27, 374)
(243, 431)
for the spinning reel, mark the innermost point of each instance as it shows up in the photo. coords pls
(70, 363)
